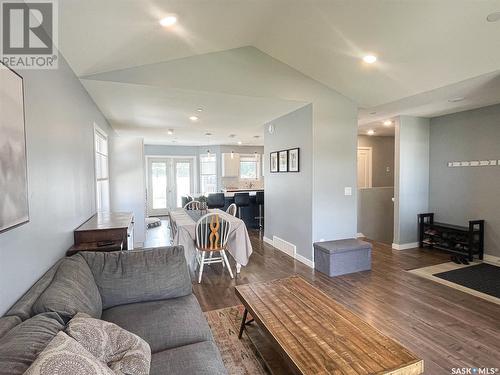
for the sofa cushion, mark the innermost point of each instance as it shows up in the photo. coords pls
(7, 323)
(23, 343)
(163, 324)
(64, 355)
(122, 351)
(200, 358)
(136, 276)
(23, 308)
(72, 290)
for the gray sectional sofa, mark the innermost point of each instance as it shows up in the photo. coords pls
(146, 292)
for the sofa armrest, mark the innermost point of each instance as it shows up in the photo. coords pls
(124, 277)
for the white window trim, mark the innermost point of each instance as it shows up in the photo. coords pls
(258, 162)
(98, 129)
(216, 170)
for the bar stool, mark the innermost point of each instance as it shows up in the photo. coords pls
(216, 200)
(241, 200)
(259, 200)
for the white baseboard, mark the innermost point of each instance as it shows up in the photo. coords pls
(405, 246)
(360, 235)
(304, 260)
(268, 240)
(296, 256)
(491, 259)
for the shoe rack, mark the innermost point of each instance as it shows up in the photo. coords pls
(464, 240)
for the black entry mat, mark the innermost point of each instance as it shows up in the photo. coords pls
(484, 278)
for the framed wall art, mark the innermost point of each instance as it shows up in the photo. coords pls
(14, 209)
(283, 161)
(294, 160)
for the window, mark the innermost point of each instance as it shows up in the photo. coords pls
(101, 170)
(249, 166)
(208, 173)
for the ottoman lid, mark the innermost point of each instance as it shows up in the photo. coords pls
(342, 246)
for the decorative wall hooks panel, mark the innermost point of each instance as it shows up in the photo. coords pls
(474, 163)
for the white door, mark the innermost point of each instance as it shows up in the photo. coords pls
(184, 179)
(159, 188)
(169, 179)
(364, 167)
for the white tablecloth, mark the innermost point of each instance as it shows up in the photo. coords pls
(183, 233)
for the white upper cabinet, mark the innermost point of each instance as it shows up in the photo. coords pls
(230, 165)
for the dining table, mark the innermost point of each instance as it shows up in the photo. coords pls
(183, 226)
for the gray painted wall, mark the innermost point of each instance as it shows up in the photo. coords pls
(382, 158)
(290, 192)
(376, 213)
(411, 191)
(60, 147)
(128, 185)
(461, 194)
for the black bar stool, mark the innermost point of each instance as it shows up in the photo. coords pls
(259, 200)
(241, 200)
(216, 200)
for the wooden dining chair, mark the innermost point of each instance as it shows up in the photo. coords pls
(193, 205)
(232, 209)
(212, 232)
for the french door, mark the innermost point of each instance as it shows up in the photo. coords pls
(168, 180)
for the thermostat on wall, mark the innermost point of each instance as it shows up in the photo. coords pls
(270, 129)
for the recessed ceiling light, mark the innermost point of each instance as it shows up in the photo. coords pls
(457, 99)
(373, 113)
(370, 59)
(199, 109)
(493, 17)
(168, 21)
(232, 135)
(240, 143)
(170, 131)
(370, 132)
(208, 134)
(256, 136)
(387, 122)
(194, 118)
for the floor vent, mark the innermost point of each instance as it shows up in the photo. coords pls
(286, 247)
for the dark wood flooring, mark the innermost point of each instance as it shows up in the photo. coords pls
(445, 327)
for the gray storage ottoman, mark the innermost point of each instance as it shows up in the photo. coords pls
(335, 258)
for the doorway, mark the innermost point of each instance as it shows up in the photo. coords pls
(364, 167)
(168, 179)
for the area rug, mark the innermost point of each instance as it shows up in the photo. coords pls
(484, 278)
(240, 356)
(431, 272)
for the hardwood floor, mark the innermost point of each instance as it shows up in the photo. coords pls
(445, 327)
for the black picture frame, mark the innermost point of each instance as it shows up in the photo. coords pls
(273, 167)
(291, 167)
(283, 154)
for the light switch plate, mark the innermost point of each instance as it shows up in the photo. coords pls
(347, 191)
(493, 162)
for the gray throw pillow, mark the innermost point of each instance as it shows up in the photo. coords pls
(71, 291)
(124, 352)
(63, 355)
(22, 344)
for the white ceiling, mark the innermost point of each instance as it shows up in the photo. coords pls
(429, 50)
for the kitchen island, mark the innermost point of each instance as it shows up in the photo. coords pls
(249, 213)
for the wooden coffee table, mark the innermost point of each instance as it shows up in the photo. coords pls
(316, 335)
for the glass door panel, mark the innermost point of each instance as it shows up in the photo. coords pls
(184, 179)
(158, 186)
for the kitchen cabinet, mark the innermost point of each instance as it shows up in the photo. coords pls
(230, 165)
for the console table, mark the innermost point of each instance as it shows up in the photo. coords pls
(105, 231)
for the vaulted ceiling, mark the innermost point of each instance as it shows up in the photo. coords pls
(429, 51)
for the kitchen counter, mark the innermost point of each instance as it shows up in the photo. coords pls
(229, 193)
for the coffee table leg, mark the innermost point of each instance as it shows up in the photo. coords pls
(243, 323)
